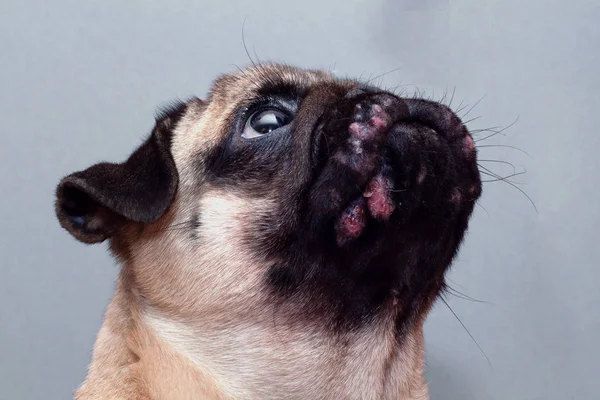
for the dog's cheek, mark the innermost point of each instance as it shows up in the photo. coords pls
(215, 270)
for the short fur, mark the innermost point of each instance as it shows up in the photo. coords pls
(299, 265)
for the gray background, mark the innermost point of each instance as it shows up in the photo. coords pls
(80, 81)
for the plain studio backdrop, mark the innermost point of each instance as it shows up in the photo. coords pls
(80, 82)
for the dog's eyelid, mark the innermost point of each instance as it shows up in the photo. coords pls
(278, 110)
(265, 121)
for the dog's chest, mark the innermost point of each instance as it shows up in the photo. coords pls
(261, 361)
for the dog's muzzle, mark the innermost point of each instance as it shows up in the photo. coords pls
(367, 147)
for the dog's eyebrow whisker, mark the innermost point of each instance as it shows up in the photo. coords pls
(466, 330)
(238, 68)
(244, 43)
(256, 55)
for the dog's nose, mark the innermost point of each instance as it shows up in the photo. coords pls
(362, 90)
(436, 116)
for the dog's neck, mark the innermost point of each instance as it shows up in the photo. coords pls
(142, 353)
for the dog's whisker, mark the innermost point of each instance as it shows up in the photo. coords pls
(471, 120)
(444, 96)
(384, 74)
(501, 178)
(452, 98)
(499, 162)
(454, 292)
(498, 132)
(479, 146)
(487, 171)
(489, 136)
(460, 107)
(514, 185)
(474, 105)
(484, 209)
(490, 129)
(369, 80)
(466, 330)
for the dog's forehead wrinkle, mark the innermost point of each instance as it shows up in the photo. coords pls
(248, 83)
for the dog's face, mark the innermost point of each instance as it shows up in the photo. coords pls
(334, 201)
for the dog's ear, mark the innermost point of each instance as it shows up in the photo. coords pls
(95, 203)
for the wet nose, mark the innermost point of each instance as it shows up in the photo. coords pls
(362, 89)
(436, 116)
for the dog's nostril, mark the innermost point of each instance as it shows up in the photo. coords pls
(361, 90)
(435, 115)
(370, 89)
(354, 92)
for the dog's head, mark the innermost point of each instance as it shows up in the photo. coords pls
(333, 200)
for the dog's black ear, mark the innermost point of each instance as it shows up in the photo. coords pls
(94, 204)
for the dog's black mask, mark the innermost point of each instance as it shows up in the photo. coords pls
(374, 195)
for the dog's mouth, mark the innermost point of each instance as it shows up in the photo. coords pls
(383, 157)
(375, 202)
(367, 135)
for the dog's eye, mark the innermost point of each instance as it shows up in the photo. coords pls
(264, 121)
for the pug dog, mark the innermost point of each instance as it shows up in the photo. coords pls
(283, 239)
